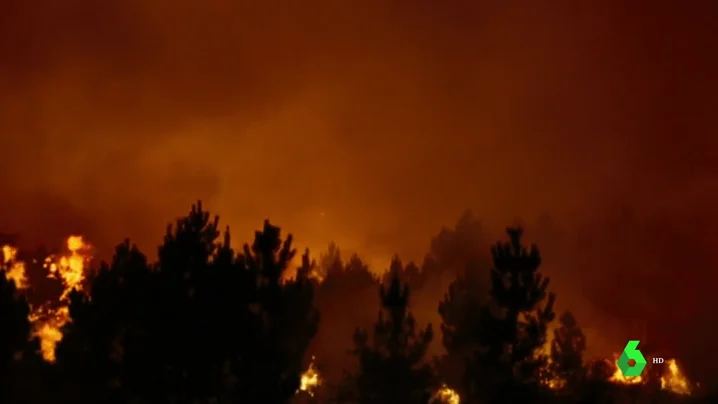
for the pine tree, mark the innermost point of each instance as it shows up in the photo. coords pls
(452, 252)
(270, 365)
(567, 349)
(409, 274)
(330, 261)
(391, 366)
(187, 337)
(96, 354)
(202, 324)
(461, 326)
(351, 283)
(514, 324)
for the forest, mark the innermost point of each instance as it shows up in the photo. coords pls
(203, 322)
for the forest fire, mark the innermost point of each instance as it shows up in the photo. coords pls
(672, 378)
(69, 269)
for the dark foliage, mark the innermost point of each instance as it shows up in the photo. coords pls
(510, 329)
(461, 326)
(342, 298)
(392, 367)
(409, 274)
(567, 349)
(453, 248)
(203, 323)
(16, 348)
(207, 324)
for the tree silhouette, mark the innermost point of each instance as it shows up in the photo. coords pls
(202, 324)
(342, 298)
(461, 327)
(391, 367)
(96, 354)
(452, 249)
(514, 325)
(270, 365)
(15, 344)
(330, 261)
(409, 274)
(207, 324)
(567, 349)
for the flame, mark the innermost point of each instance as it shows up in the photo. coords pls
(446, 395)
(47, 324)
(15, 270)
(69, 268)
(554, 383)
(618, 377)
(310, 379)
(674, 380)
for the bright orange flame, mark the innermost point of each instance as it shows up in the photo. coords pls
(47, 324)
(446, 395)
(310, 379)
(15, 270)
(619, 378)
(674, 380)
(68, 268)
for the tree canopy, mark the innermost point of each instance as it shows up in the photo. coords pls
(211, 321)
(391, 360)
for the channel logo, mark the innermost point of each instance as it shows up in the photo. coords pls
(631, 352)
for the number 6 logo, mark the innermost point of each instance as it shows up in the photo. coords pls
(631, 352)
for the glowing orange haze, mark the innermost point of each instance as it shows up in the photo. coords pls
(371, 123)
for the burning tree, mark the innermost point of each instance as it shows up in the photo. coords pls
(391, 367)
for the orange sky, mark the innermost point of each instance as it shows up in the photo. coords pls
(370, 122)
